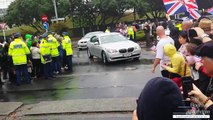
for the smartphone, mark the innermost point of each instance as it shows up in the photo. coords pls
(187, 86)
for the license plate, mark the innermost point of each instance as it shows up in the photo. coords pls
(127, 55)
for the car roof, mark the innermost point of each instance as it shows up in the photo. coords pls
(106, 34)
(95, 32)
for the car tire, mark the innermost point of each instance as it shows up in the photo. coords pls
(89, 54)
(104, 58)
(79, 49)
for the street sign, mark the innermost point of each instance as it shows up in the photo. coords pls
(45, 25)
(59, 19)
(44, 18)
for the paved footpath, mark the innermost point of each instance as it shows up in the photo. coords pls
(82, 109)
(91, 107)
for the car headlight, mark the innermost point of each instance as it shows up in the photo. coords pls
(137, 47)
(111, 50)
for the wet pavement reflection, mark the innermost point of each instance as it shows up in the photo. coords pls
(91, 79)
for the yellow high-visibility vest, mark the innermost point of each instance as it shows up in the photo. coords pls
(45, 51)
(67, 45)
(54, 45)
(18, 50)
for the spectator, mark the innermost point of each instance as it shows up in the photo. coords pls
(201, 79)
(183, 39)
(186, 25)
(211, 33)
(205, 24)
(5, 61)
(160, 55)
(201, 34)
(147, 34)
(202, 99)
(159, 99)
(174, 34)
(178, 66)
(36, 60)
(206, 66)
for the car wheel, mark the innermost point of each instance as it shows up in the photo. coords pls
(89, 54)
(79, 49)
(104, 58)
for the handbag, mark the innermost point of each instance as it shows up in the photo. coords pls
(178, 80)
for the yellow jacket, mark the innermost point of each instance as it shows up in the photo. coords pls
(67, 45)
(178, 63)
(18, 50)
(45, 51)
(54, 45)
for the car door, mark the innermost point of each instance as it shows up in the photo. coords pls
(91, 45)
(97, 47)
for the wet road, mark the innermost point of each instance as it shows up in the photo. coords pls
(91, 79)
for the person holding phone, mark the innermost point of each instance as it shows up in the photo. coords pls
(207, 61)
(159, 99)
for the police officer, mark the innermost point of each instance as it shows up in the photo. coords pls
(67, 47)
(107, 30)
(19, 51)
(45, 51)
(130, 32)
(54, 53)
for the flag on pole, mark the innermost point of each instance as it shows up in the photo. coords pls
(210, 10)
(179, 6)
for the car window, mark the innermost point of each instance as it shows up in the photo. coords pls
(112, 38)
(94, 39)
(89, 35)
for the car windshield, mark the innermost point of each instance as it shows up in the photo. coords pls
(89, 35)
(112, 38)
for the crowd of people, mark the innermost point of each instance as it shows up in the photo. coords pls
(44, 56)
(187, 52)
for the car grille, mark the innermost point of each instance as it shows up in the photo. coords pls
(130, 49)
(84, 42)
(122, 50)
(126, 50)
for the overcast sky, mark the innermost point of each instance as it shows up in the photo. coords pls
(5, 3)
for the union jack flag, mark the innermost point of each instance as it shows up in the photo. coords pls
(210, 10)
(179, 6)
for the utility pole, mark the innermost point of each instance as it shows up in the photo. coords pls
(56, 12)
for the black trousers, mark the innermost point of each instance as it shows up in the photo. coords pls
(36, 67)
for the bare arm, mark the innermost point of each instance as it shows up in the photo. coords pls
(134, 115)
(156, 62)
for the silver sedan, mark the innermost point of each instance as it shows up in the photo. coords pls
(112, 47)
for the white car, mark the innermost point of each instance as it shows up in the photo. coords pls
(112, 47)
(82, 43)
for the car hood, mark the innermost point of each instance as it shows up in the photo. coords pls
(120, 45)
(84, 39)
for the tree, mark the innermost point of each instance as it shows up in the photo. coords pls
(150, 8)
(25, 11)
(113, 9)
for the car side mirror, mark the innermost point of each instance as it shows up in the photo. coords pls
(96, 43)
